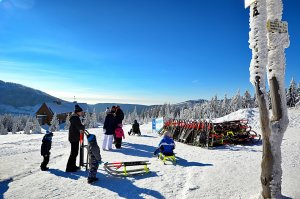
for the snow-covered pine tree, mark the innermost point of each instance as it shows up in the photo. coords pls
(134, 115)
(7, 121)
(225, 106)
(247, 100)
(291, 95)
(236, 102)
(54, 124)
(28, 127)
(36, 128)
(93, 119)
(17, 125)
(67, 123)
(3, 131)
(87, 120)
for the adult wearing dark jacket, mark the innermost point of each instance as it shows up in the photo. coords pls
(74, 134)
(110, 124)
(119, 115)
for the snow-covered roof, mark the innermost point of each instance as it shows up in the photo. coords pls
(65, 107)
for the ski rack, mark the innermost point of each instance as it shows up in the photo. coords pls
(205, 133)
(113, 168)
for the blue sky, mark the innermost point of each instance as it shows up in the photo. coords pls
(133, 51)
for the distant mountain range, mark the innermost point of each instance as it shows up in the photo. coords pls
(19, 99)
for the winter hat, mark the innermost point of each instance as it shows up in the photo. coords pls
(167, 134)
(49, 133)
(113, 109)
(77, 108)
(91, 137)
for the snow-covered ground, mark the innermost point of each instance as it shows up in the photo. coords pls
(223, 172)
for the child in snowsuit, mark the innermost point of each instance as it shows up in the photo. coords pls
(166, 145)
(94, 157)
(45, 149)
(119, 134)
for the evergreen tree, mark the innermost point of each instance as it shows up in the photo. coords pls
(292, 94)
(225, 106)
(54, 124)
(87, 120)
(28, 127)
(247, 100)
(93, 123)
(3, 131)
(67, 123)
(236, 102)
(36, 126)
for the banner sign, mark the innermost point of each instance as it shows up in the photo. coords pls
(157, 123)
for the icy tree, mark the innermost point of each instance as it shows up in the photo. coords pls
(7, 121)
(54, 124)
(93, 123)
(134, 115)
(3, 131)
(67, 123)
(268, 50)
(247, 100)
(36, 128)
(291, 95)
(236, 102)
(224, 106)
(87, 120)
(17, 125)
(28, 127)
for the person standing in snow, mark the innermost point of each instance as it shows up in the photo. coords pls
(119, 115)
(166, 145)
(76, 127)
(109, 127)
(94, 158)
(45, 149)
(119, 135)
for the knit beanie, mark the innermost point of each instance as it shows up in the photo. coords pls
(77, 108)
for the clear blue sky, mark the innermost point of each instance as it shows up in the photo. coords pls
(133, 51)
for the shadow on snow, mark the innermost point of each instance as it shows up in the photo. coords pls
(4, 187)
(139, 150)
(71, 175)
(125, 188)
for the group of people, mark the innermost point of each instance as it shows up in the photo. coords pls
(112, 129)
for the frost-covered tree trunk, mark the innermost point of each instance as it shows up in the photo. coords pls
(258, 44)
(273, 53)
(277, 42)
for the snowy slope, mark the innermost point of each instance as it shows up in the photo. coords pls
(224, 172)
